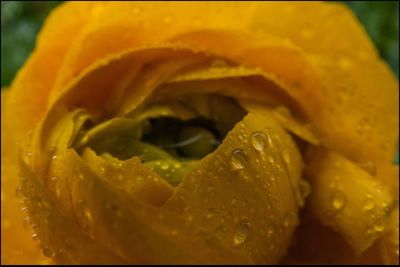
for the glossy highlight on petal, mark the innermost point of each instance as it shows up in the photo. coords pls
(156, 136)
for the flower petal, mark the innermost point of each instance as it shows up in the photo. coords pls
(256, 159)
(343, 194)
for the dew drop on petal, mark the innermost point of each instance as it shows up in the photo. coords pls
(299, 199)
(26, 222)
(258, 140)
(379, 226)
(286, 157)
(18, 192)
(35, 236)
(270, 232)
(177, 165)
(88, 215)
(164, 166)
(305, 188)
(369, 204)
(238, 159)
(27, 157)
(289, 219)
(338, 200)
(80, 176)
(48, 252)
(241, 232)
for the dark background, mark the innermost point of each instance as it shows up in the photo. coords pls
(21, 21)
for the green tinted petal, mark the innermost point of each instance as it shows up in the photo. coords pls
(171, 170)
(118, 126)
(130, 176)
(124, 148)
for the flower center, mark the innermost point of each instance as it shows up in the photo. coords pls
(169, 136)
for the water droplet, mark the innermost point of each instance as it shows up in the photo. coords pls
(58, 192)
(258, 140)
(189, 218)
(177, 165)
(238, 159)
(289, 219)
(241, 233)
(35, 236)
(304, 188)
(299, 199)
(211, 213)
(270, 232)
(370, 231)
(88, 215)
(18, 192)
(26, 222)
(338, 200)
(164, 166)
(286, 157)
(369, 204)
(48, 252)
(80, 176)
(27, 157)
(53, 157)
(379, 226)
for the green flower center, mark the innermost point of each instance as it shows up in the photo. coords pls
(170, 136)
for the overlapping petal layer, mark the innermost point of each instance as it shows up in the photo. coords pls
(110, 59)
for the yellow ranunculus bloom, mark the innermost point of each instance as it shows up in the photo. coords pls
(200, 132)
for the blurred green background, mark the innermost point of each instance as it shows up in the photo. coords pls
(21, 21)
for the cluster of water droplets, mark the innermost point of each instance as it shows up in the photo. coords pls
(337, 198)
(262, 142)
(259, 141)
(378, 212)
(26, 196)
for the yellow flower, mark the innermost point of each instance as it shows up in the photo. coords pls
(201, 132)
